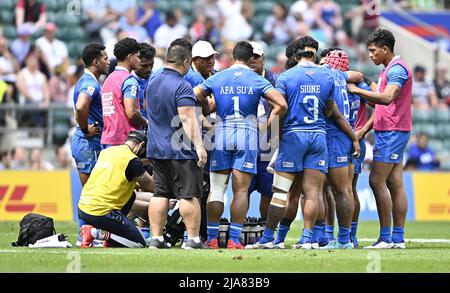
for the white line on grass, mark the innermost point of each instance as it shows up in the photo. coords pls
(139, 251)
(414, 240)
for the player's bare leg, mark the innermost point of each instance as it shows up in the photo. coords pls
(399, 205)
(190, 211)
(377, 180)
(157, 213)
(282, 183)
(290, 212)
(355, 217)
(338, 180)
(215, 204)
(330, 211)
(239, 206)
(312, 184)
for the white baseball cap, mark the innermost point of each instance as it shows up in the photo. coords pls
(257, 48)
(203, 49)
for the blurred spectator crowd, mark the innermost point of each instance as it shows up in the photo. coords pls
(41, 40)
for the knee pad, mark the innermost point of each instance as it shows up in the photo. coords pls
(282, 183)
(219, 183)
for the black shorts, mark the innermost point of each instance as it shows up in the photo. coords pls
(181, 179)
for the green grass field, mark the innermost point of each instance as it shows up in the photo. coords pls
(421, 256)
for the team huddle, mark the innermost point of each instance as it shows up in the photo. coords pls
(296, 138)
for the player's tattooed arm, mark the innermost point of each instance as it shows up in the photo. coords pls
(385, 98)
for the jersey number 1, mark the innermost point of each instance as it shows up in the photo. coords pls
(236, 106)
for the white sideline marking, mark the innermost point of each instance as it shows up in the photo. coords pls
(139, 251)
(416, 240)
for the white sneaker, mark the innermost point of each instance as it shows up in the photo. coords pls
(279, 245)
(257, 245)
(315, 245)
(400, 245)
(380, 245)
(301, 246)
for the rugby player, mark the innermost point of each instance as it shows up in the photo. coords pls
(236, 92)
(392, 125)
(120, 94)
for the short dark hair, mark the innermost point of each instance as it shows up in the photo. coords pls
(419, 68)
(296, 49)
(178, 51)
(243, 51)
(125, 47)
(381, 38)
(146, 51)
(170, 15)
(325, 52)
(137, 136)
(91, 52)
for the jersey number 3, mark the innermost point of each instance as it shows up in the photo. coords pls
(314, 110)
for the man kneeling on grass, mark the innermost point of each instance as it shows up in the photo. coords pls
(109, 194)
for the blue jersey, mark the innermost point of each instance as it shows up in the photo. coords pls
(165, 93)
(306, 87)
(89, 85)
(237, 91)
(341, 99)
(355, 103)
(141, 95)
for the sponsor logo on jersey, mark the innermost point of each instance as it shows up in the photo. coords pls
(341, 159)
(248, 165)
(90, 90)
(394, 156)
(322, 163)
(288, 164)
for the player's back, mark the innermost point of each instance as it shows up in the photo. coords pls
(307, 87)
(237, 91)
(357, 105)
(341, 99)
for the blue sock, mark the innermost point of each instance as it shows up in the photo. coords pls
(354, 228)
(281, 234)
(317, 233)
(235, 232)
(385, 234)
(267, 236)
(306, 236)
(344, 235)
(398, 234)
(212, 230)
(329, 231)
(81, 222)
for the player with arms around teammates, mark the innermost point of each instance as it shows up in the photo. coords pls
(237, 91)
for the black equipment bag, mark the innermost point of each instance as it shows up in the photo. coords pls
(34, 227)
